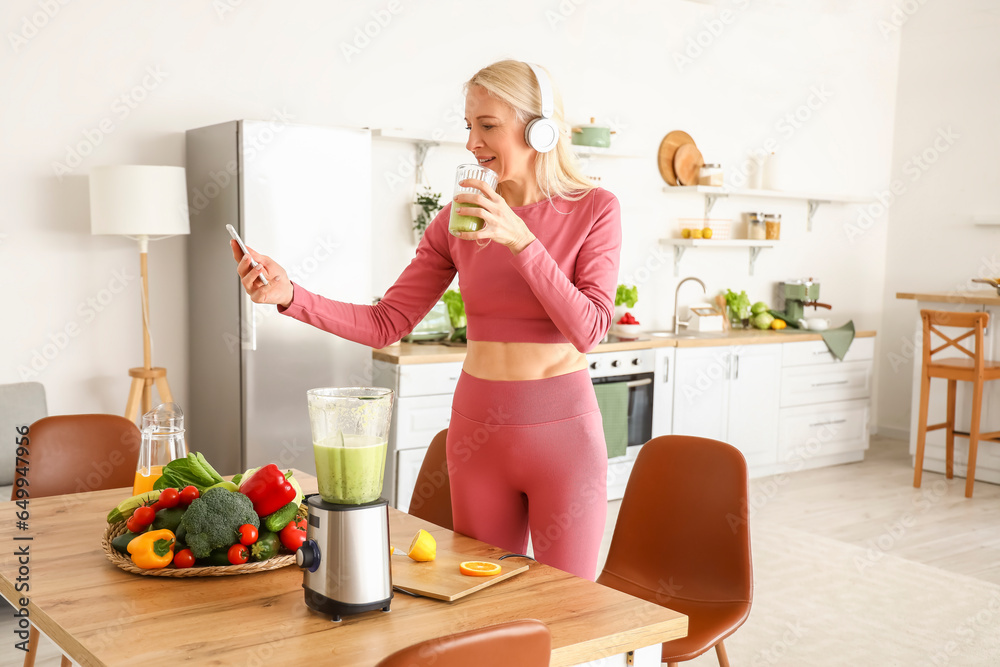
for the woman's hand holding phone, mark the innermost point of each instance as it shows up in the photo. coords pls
(279, 289)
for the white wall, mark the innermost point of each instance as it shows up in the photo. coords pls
(619, 61)
(945, 156)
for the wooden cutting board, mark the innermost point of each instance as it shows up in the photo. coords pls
(440, 578)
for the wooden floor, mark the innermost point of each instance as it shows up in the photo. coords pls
(871, 504)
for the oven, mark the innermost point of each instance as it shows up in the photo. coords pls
(635, 369)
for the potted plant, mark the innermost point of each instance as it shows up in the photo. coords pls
(625, 299)
(425, 208)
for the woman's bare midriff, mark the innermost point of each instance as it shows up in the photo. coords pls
(491, 360)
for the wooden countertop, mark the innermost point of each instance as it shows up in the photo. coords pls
(985, 297)
(420, 353)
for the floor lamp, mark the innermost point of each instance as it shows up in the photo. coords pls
(144, 203)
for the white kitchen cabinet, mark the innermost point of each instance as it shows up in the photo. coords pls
(408, 462)
(422, 408)
(663, 392)
(732, 394)
(825, 405)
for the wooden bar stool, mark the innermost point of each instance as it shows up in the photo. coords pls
(975, 369)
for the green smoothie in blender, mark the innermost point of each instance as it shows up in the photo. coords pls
(350, 471)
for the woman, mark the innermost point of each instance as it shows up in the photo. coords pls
(525, 442)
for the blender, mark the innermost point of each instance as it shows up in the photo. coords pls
(345, 558)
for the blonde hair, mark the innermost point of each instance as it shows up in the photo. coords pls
(513, 82)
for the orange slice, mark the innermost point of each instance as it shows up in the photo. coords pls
(478, 568)
(423, 547)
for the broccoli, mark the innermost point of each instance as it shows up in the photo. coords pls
(213, 520)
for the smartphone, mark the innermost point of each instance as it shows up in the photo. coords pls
(253, 263)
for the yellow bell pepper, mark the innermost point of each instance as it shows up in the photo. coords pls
(152, 550)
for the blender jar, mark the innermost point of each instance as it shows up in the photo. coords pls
(350, 429)
(162, 442)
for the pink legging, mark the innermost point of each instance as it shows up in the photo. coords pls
(530, 454)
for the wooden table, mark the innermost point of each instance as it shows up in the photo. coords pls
(101, 615)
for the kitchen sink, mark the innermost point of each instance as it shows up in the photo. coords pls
(684, 335)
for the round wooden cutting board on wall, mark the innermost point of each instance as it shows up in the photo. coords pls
(665, 156)
(687, 162)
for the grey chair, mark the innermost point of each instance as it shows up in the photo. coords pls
(21, 405)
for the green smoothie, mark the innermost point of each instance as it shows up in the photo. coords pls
(350, 474)
(463, 223)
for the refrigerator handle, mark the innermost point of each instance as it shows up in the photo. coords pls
(249, 331)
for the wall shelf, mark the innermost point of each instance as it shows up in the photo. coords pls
(419, 138)
(712, 194)
(681, 245)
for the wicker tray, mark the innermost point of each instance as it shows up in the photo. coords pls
(124, 561)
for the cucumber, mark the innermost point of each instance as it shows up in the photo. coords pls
(275, 521)
(168, 518)
(267, 545)
(217, 557)
(121, 542)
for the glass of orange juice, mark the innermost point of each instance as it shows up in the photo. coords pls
(162, 442)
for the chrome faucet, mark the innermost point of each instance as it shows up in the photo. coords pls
(677, 325)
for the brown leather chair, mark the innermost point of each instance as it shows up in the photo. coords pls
(526, 643)
(431, 499)
(682, 540)
(73, 454)
(973, 368)
(77, 453)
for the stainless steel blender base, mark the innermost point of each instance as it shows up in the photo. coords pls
(325, 605)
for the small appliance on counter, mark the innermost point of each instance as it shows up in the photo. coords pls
(705, 318)
(794, 296)
(435, 326)
(345, 558)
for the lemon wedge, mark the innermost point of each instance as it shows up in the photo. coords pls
(423, 547)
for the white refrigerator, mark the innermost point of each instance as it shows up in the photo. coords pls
(301, 195)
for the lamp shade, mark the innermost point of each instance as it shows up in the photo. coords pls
(138, 200)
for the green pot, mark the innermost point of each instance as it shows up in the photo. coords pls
(598, 136)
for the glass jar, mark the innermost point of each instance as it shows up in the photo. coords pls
(755, 227)
(710, 174)
(772, 226)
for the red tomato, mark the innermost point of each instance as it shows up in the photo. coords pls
(183, 559)
(168, 498)
(238, 554)
(248, 534)
(141, 519)
(293, 535)
(188, 495)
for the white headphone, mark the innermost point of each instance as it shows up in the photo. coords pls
(542, 134)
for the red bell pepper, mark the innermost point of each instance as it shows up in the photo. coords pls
(268, 490)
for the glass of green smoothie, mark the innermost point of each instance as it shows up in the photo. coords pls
(350, 429)
(468, 223)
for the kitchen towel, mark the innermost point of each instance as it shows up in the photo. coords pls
(839, 340)
(612, 399)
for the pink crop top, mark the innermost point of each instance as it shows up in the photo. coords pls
(559, 289)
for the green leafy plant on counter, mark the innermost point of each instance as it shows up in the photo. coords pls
(739, 306)
(456, 313)
(426, 207)
(626, 296)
